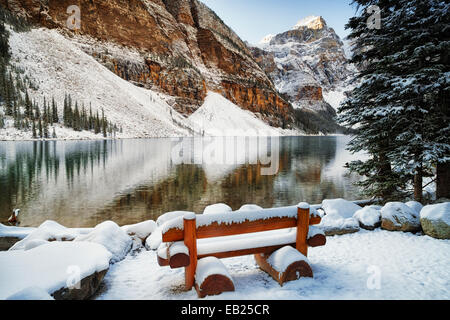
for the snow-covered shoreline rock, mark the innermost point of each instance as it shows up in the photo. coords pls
(435, 220)
(112, 237)
(338, 217)
(397, 216)
(369, 218)
(54, 267)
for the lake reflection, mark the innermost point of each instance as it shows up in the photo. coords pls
(82, 183)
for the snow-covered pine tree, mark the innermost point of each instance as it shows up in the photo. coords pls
(2, 121)
(33, 129)
(369, 109)
(55, 117)
(420, 86)
(399, 105)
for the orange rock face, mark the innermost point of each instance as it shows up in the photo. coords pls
(310, 93)
(185, 49)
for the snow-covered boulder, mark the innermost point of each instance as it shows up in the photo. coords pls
(369, 218)
(217, 208)
(338, 218)
(345, 209)
(250, 207)
(415, 205)
(154, 240)
(54, 267)
(31, 293)
(334, 224)
(48, 231)
(169, 216)
(10, 235)
(397, 216)
(140, 230)
(435, 220)
(112, 237)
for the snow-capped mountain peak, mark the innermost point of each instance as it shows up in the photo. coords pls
(267, 39)
(311, 22)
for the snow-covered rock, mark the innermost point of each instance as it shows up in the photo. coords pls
(338, 218)
(435, 220)
(112, 237)
(368, 217)
(51, 267)
(341, 207)
(10, 235)
(217, 208)
(250, 207)
(415, 205)
(334, 224)
(48, 231)
(169, 216)
(31, 293)
(397, 216)
(140, 230)
(154, 240)
(15, 232)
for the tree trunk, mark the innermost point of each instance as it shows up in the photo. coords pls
(443, 180)
(418, 185)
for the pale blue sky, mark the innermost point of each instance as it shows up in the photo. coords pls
(254, 19)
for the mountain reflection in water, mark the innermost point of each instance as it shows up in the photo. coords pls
(82, 183)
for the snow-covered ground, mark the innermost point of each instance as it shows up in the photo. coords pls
(365, 265)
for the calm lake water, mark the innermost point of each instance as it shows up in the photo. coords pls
(82, 183)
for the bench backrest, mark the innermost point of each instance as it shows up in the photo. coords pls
(234, 223)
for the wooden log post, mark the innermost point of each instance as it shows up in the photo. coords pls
(190, 240)
(301, 243)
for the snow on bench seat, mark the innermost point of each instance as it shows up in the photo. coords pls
(279, 237)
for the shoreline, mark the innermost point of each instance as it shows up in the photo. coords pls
(170, 137)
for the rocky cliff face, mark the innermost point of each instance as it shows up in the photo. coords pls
(179, 47)
(305, 62)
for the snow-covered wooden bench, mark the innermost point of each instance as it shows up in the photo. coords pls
(189, 239)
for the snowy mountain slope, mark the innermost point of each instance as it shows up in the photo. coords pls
(220, 117)
(180, 48)
(58, 67)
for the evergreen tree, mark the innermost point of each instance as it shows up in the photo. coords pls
(97, 127)
(28, 106)
(104, 124)
(76, 119)
(55, 118)
(399, 106)
(33, 129)
(37, 112)
(41, 133)
(2, 121)
(45, 128)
